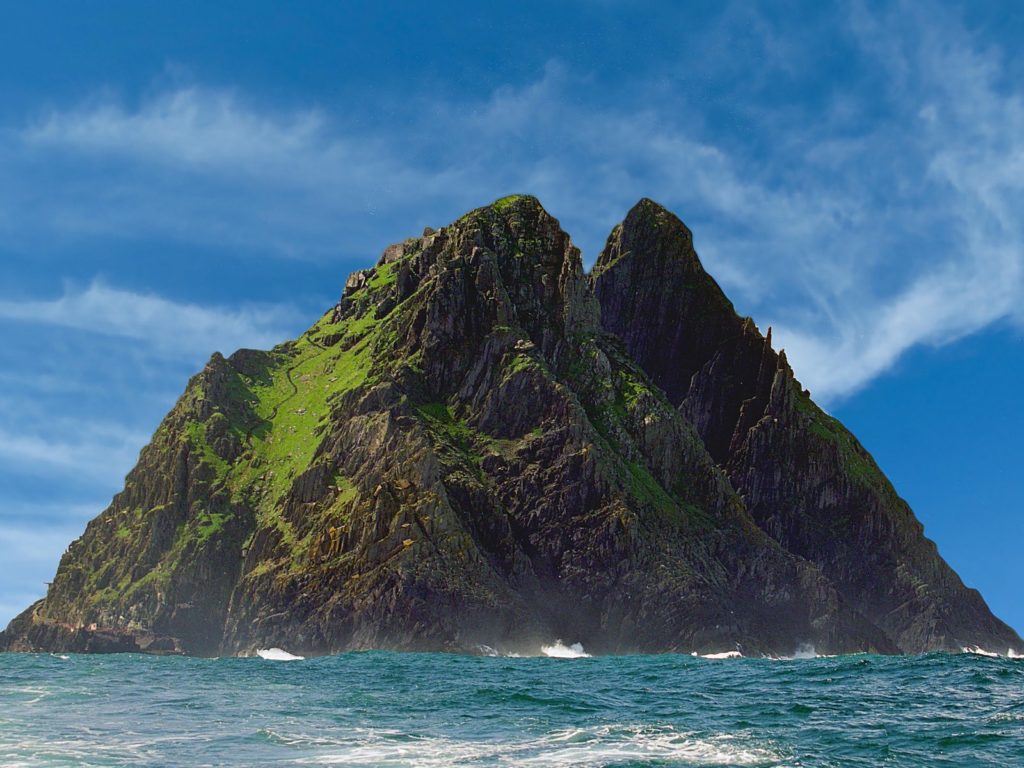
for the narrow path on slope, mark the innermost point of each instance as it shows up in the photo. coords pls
(291, 383)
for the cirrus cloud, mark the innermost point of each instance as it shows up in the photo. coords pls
(885, 221)
(169, 327)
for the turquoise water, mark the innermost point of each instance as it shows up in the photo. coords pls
(370, 709)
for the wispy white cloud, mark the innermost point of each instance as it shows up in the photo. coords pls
(192, 128)
(964, 130)
(212, 131)
(29, 545)
(305, 181)
(102, 452)
(48, 518)
(880, 224)
(167, 327)
(199, 164)
(72, 416)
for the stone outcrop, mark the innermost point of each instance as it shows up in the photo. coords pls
(483, 445)
(803, 477)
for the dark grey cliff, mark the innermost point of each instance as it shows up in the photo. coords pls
(803, 477)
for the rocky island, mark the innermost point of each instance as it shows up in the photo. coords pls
(482, 444)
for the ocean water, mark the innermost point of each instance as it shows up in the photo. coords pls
(390, 709)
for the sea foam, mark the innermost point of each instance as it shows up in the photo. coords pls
(980, 651)
(721, 655)
(562, 651)
(805, 651)
(277, 654)
(594, 746)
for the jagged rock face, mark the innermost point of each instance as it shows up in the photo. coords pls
(803, 477)
(458, 454)
(669, 313)
(133, 568)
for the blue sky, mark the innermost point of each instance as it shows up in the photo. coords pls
(182, 178)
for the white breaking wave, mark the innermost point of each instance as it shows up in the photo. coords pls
(277, 654)
(596, 746)
(722, 655)
(980, 651)
(561, 651)
(805, 651)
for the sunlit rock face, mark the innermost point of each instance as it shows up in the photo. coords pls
(479, 446)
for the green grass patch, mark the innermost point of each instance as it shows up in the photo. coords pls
(502, 204)
(279, 412)
(384, 275)
(458, 437)
(856, 460)
(519, 363)
(209, 525)
(644, 487)
(196, 434)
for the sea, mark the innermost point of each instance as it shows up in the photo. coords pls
(558, 708)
